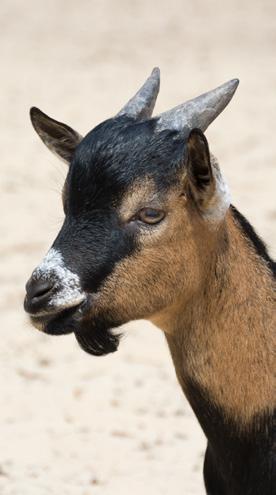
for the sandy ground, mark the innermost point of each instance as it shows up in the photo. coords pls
(72, 424)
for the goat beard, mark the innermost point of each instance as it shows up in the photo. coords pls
(97, 337)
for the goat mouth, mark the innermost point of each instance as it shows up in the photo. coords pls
(60, 322)
(94, 333)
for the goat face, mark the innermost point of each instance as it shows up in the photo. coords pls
(136, 202)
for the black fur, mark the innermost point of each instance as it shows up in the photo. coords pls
(255, 240)
(108, 160)
(92, 239)
(236, 462)
(97, 337)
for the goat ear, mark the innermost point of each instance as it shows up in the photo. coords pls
(206, 184)
(58, 137)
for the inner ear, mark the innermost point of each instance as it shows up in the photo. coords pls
(200, 176)
(199, 162)
(206, 185)
(61, 139)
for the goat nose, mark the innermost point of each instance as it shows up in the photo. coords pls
(38, 293)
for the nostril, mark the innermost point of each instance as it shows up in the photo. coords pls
(38, 289)
(42, 288)
(39, 292)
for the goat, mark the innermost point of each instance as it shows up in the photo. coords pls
(149, 232)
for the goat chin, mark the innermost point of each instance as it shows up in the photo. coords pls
(95, 335)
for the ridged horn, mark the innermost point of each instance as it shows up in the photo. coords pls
(142, 104)
(199, 112)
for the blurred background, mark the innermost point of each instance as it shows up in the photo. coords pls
(70, 423)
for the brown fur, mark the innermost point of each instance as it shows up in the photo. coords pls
(213, 297)
(138, 287)
(224, 339)
(64, 194)
(210, 292)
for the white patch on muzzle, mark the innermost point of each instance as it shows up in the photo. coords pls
(69, 292)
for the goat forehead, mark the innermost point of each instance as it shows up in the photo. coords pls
(102, 192)
(114, 155)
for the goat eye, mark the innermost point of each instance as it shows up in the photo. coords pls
(150, 215)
